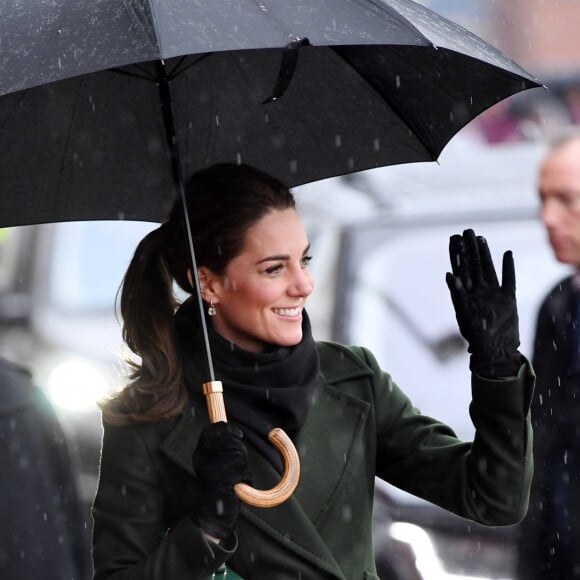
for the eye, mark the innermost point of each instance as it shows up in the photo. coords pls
(305, 261)
(273, 269)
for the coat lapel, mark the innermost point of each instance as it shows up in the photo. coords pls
(182, 439)
(334, 424)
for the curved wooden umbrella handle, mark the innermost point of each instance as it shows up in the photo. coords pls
(283, 490)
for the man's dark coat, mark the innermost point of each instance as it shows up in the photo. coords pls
(555, 496)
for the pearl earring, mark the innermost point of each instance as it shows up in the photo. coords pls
(211, 310)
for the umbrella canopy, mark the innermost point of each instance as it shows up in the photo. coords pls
(303, 90)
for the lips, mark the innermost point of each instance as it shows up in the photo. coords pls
(288, 312)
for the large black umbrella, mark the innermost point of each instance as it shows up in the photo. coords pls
(106, 104)
(305, 90)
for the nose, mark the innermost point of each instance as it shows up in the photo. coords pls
(550, 212)
(301, 284)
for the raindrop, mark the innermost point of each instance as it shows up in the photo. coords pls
(266, 118)
(398, 81)
(376, 144)
(238, 158)
(347, 513)
(293, 166)
(337, 141)
(217, 120)
(350, 163)
(59, 63)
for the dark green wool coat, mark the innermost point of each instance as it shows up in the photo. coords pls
(360, 425)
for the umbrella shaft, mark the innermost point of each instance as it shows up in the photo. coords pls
(177, 175)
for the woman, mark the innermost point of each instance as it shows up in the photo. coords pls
(165, 506)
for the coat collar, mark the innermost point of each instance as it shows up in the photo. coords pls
(335, 422)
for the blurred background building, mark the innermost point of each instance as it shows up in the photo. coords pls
(541, 35)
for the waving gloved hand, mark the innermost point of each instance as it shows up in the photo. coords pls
(486, 312)
(220, 460)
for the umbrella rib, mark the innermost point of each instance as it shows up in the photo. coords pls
(72, 117)
(175, 72)
(172, 72)
(145, 76)
(401, 18)
(378, 93)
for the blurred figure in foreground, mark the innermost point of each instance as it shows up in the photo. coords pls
(43, 534)
(550, 534)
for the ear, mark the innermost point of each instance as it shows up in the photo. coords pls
(208, 283)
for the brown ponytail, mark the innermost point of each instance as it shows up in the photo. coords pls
(147, 306)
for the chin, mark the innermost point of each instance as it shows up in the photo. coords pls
(289, 340)
(565, 257)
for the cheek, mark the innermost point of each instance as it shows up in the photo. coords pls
(259, 293)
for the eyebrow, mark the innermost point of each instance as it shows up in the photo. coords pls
(279, 257)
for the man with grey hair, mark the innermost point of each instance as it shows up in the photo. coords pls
(550, 533)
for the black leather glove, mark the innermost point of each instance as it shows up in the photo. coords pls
(486, 312)
(220, 460)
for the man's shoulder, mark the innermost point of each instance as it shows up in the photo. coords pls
(560, 289)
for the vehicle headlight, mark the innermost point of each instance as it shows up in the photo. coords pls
(76, 385)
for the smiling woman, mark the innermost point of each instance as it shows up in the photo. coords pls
(166, 505)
